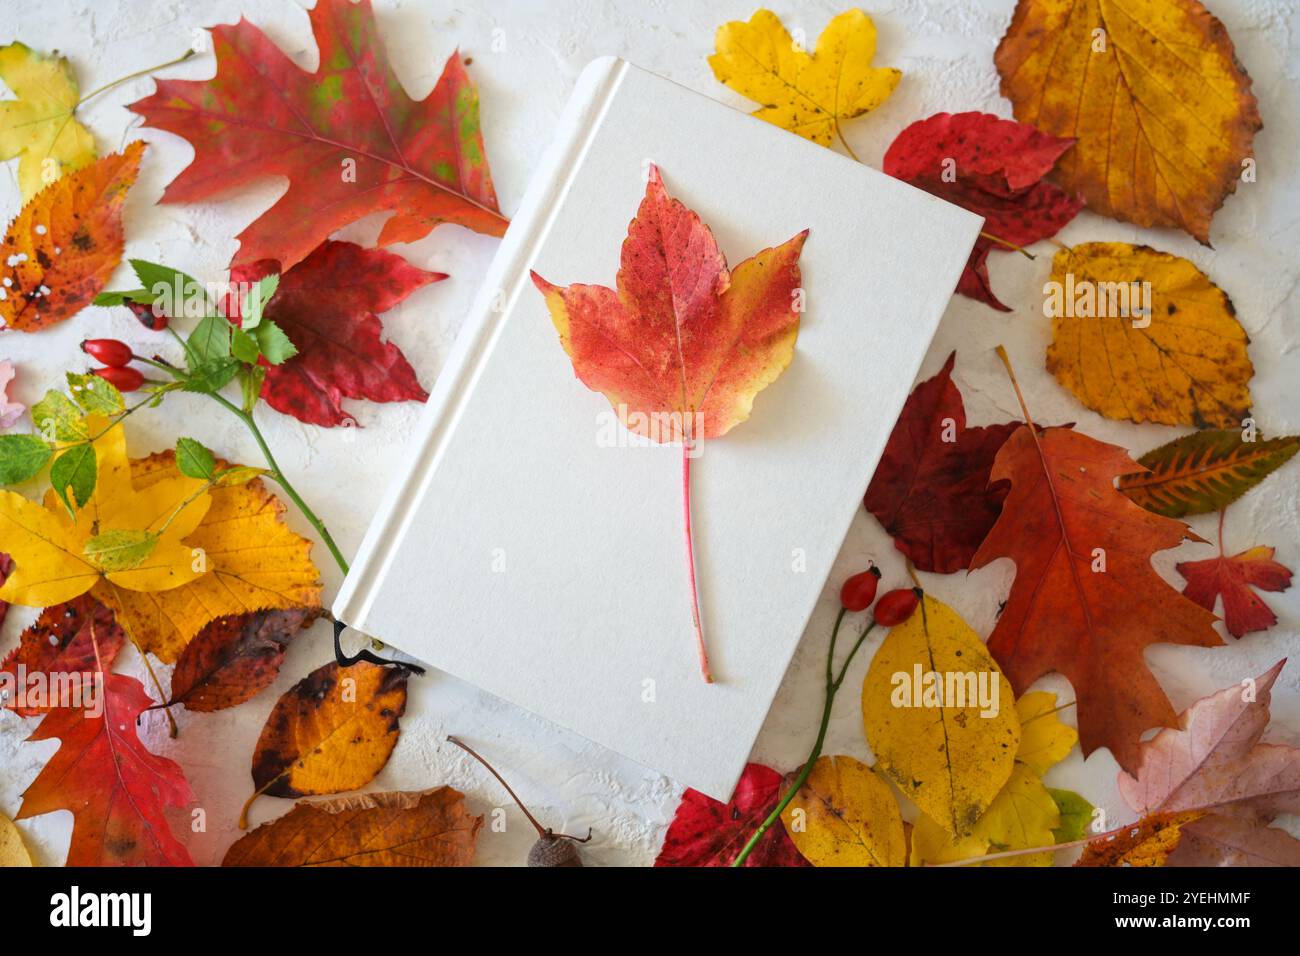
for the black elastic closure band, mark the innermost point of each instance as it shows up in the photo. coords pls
(365, 654)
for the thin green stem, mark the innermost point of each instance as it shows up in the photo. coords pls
(131, 76)
(832, 687)
(275, 472)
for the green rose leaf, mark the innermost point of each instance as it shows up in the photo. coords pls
(95, 395)
(58, 418)
(75, 470)
(22, 457)
(120, 550)
(194, 460)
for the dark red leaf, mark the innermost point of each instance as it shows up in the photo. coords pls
(931, 491)
(993, 167)
(59, 646)
(705, 832)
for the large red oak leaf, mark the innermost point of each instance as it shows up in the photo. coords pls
(994, 167)
(327, 305)
(61, 648)
(347, 137)
(705, 832)
(1232, 577)
(931, 490)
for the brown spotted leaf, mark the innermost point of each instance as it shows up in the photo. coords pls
(431, 828)
(235, 657)
(330, 732)
(58, 254)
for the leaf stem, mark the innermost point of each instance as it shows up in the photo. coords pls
(687, 447)
(131, 76)
(832, 687)
(275, 472)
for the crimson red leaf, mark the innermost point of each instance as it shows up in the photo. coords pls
(6, 565)
(234, 657)
(993, 167)
(58, 649)
(347, 137)
(932, 491)
(705, 832)
(1243, 610)
(327, 305)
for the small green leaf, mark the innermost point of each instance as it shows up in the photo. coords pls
(244, 347)
(59, 419)
(124, 296)
(194, 460)
(75, 469)
(120, 550)
(254, 304)
(1076, 815)
(95, 395)
(250, 384)
(21, 457)
(212, 376)
(210, 340)
(179, 293)
(238, 475)
(275, 345)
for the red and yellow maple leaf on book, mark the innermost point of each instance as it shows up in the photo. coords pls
(684, 344)
(347, 137)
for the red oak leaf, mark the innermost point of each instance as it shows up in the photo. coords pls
(327, 305)
(683, 345)
(6, 566)
(993, 167)
(705, 832)
(347, 137)
(114, 786)
(61, 646)
(1086, 600)
(931, 490)
(1214, 761)
(1243, 610)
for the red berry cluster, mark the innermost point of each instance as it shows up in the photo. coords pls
(894, 608)
(116, 356)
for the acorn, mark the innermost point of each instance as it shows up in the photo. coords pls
(551, 848)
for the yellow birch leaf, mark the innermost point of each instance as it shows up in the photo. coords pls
(951, 755)
(39, 126)
(845, 815)
(48, 546)
(1152, 92)
(252, 559)
(1023, 815)
(1184, 363)
(805, 93)
(1044, 739)
(13, 852)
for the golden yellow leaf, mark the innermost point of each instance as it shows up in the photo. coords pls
(805, 93)
(940, 717)
(845, 815)
(254, 562)
(48, 545)
(1148, 842)
(332, 731)
(1044, 739)
(1023, 815)
(1152, 91)
(1184, 363)
(13, 852)
(39, 126)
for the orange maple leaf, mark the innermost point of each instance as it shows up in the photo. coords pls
(65, 243)
(683, 345)
(1086, 601)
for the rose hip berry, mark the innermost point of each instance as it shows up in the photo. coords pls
(860, 590)
(109, 351)
(124, 379)
(897, 606)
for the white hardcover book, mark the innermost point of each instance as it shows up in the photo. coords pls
(535, 549)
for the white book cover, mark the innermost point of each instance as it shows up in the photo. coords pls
(535, 549)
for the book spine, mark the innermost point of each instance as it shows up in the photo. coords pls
(504, 280)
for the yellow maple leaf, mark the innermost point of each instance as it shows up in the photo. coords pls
(49, 546)
(253, 561)
(1143, 335)
(805, 93)
(39, 126)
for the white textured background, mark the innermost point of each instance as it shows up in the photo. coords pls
(945, 49)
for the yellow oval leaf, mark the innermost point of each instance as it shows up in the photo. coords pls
(330, 732)
(1044, 739)
(1152, 91)
(940, 717)
(805, 93)
(1022, 816)
(845, 815)
(1184, 363)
